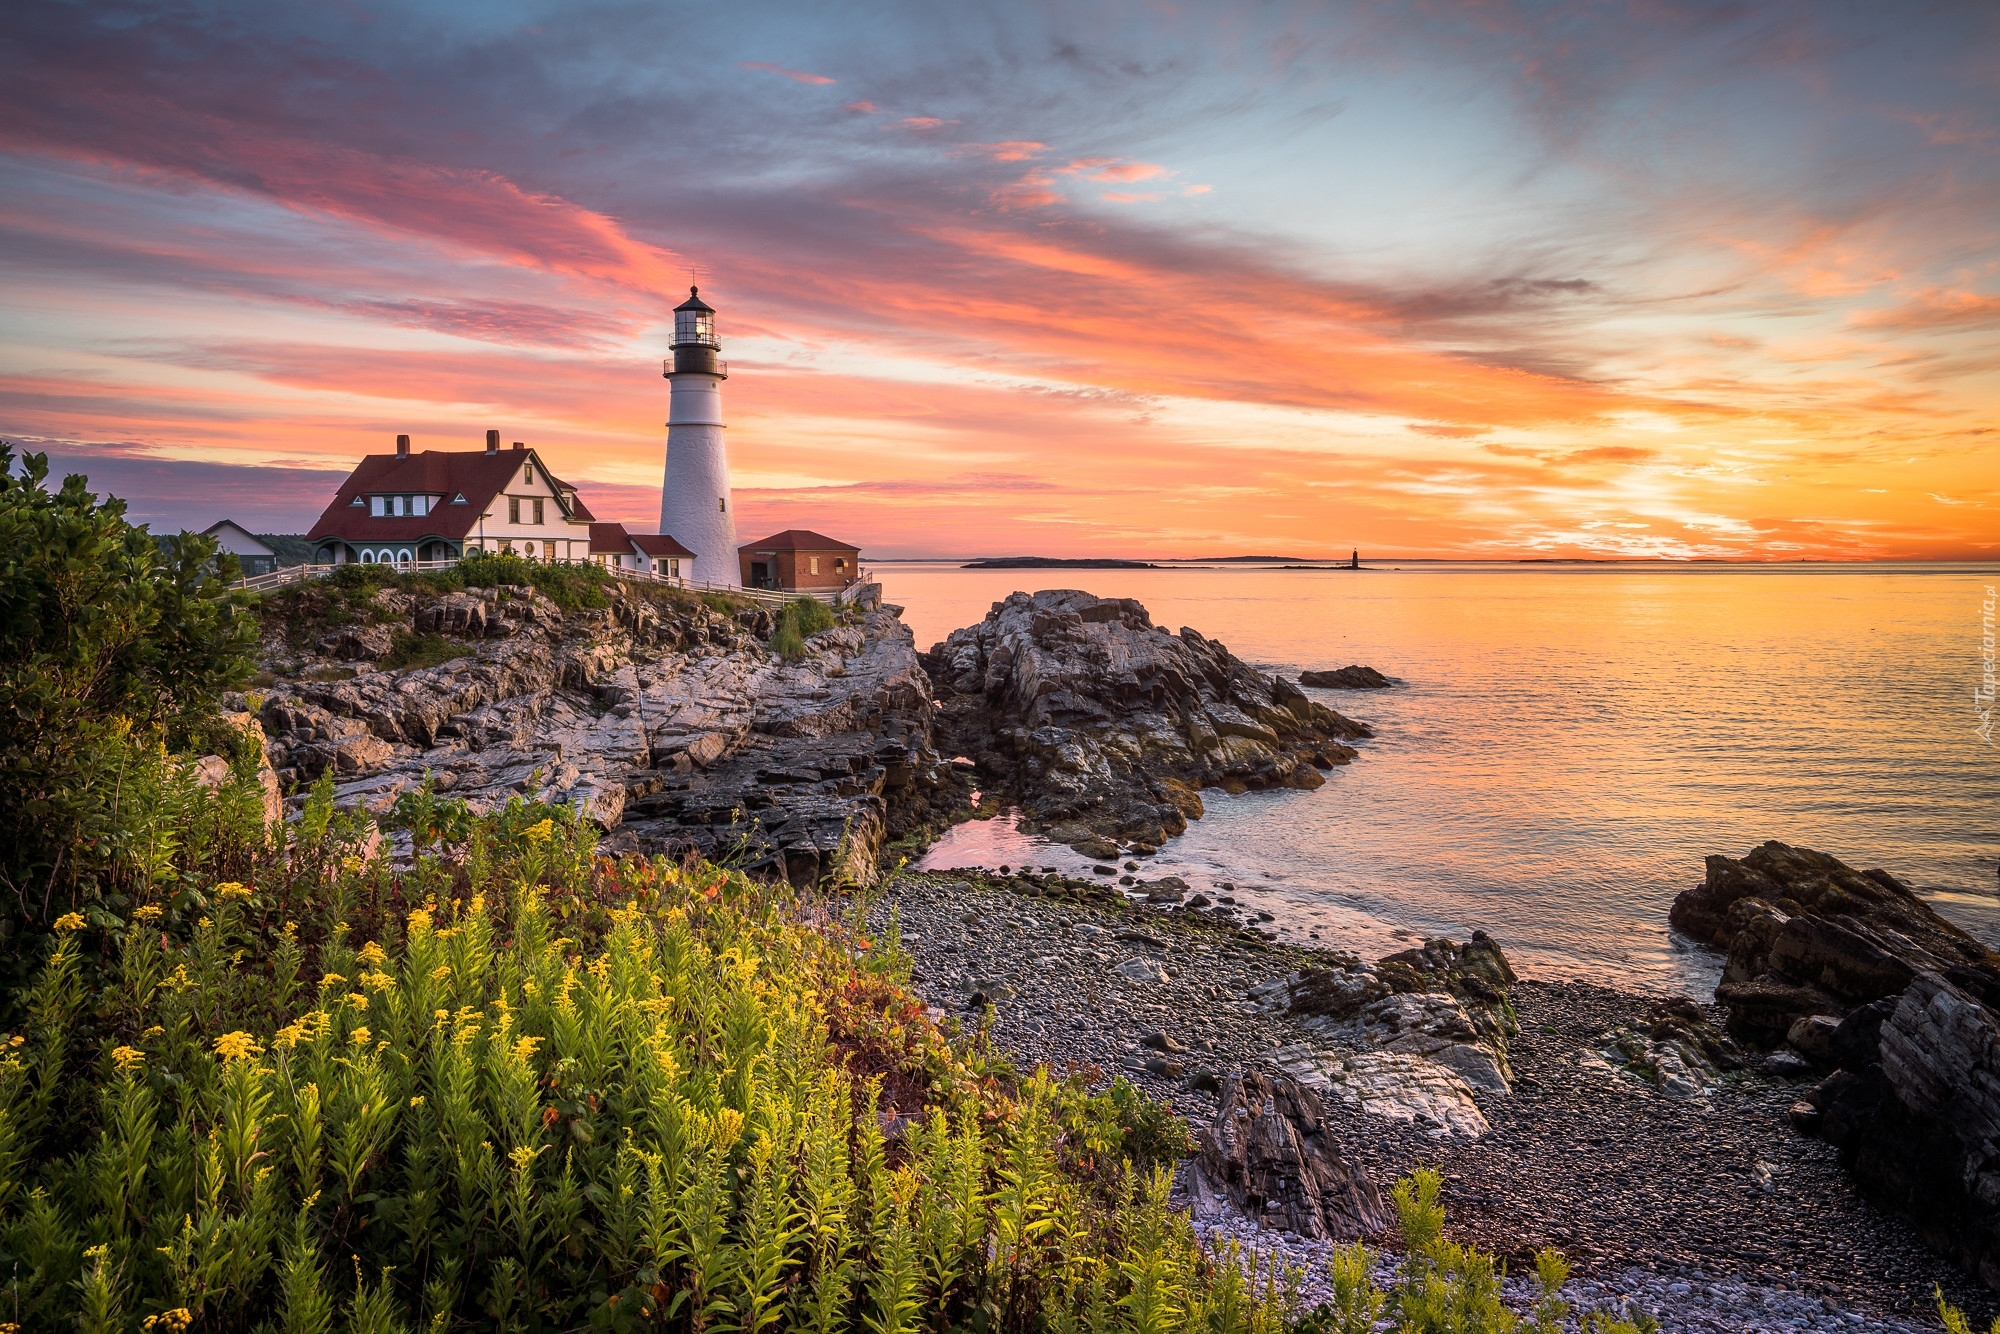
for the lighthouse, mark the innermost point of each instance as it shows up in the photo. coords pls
(695, 505)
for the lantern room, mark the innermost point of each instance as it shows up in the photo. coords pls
(694, 322)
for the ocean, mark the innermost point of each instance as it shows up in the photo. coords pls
(1568, 743)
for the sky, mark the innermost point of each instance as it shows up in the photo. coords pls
(1481, 279)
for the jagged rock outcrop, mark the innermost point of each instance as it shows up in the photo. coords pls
(1808, 935)
(1411, 1038)
(1268, 1154)
(669, 722)
(1856, 972)
(1101, 724)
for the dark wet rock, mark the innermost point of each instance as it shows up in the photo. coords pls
(1354, 677)
(1268, 1155)
(1852, 970)
(1807, 934)
(1100, 723)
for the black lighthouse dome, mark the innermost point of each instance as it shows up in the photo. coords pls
(695, 344)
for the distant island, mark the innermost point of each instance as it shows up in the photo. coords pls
(1056, 563)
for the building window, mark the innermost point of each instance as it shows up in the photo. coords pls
(375, 507)
(458, 499)
(528, 474)
(548, 548)
(506, 547)
(420, 505)
(839, 563)
(358, 501)
(538, 515)
(814, 560)
(513, 509)
(673, 569)
(722, 504)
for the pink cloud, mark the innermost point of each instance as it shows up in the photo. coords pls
(1111, 169)
(924, 122)
(796, 76)
(1011, 150)
(865, 107)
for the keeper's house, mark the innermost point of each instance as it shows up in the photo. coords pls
(440, 505)
(798, 559)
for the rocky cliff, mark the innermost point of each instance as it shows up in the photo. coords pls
(668, 720)
(1856, 974)
(1101, 724)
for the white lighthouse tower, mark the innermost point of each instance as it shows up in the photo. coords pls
(695, 506)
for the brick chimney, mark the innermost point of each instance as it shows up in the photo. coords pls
(492, 442)
(402, 446)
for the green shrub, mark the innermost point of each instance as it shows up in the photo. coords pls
(797, 621)
(112, 646)
(1954, 1320)
(517, 1086)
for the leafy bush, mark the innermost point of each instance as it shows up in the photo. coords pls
(1446, 1288)
(797, 621)
(112, 646)
(517, 1086)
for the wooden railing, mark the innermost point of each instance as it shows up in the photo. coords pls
(293, 574)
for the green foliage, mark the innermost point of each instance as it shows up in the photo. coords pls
(1953, 1319)
(517, 1086)
(111, 645)
(797, 621)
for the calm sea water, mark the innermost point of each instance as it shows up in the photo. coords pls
(1570, 742)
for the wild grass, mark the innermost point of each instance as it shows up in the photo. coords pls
(518, 1086)
(797, 621)
(421, 651)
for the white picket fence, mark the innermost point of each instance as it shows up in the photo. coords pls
(833, 597)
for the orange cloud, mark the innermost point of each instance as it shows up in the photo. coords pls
(796, 76)
(1938, 309)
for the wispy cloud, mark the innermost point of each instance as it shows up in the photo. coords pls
(796, 76)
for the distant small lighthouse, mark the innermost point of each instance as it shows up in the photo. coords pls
(695, 506)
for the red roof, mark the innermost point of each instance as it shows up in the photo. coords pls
(606, 538)
(799, 539)
(445, 474)
(659, 544)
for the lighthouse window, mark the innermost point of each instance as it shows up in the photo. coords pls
(694, 326)
(722, 504)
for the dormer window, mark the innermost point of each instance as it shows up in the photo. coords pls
(458, 499)
(396, 506)
(420, 505)
(528, 474)
(376, 507)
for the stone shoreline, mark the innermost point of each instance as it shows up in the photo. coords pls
(1707, 1210)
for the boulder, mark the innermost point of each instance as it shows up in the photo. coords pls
(1268, 1154)
(359, 643)
(1354, 677)
(1101, 725)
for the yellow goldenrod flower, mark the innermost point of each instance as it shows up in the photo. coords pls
(153, 1032)
(70, 921)
(441, 972)
(128, 1057)
(372, 955)
(419, 920)
(352, 864)
(97, 1252)
(357, 1000)
(230, 889)
(417, 1101)
(146, 912)
(441, 1015)
(524, 1048)
(540, 833)
(237, 1046)
(179, 980)
(332, 980)
(521, 1157)
(171, 1322)
(377, 981)
(359, 1037)
(204, 922)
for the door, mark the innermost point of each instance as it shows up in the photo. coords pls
(760, 574)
